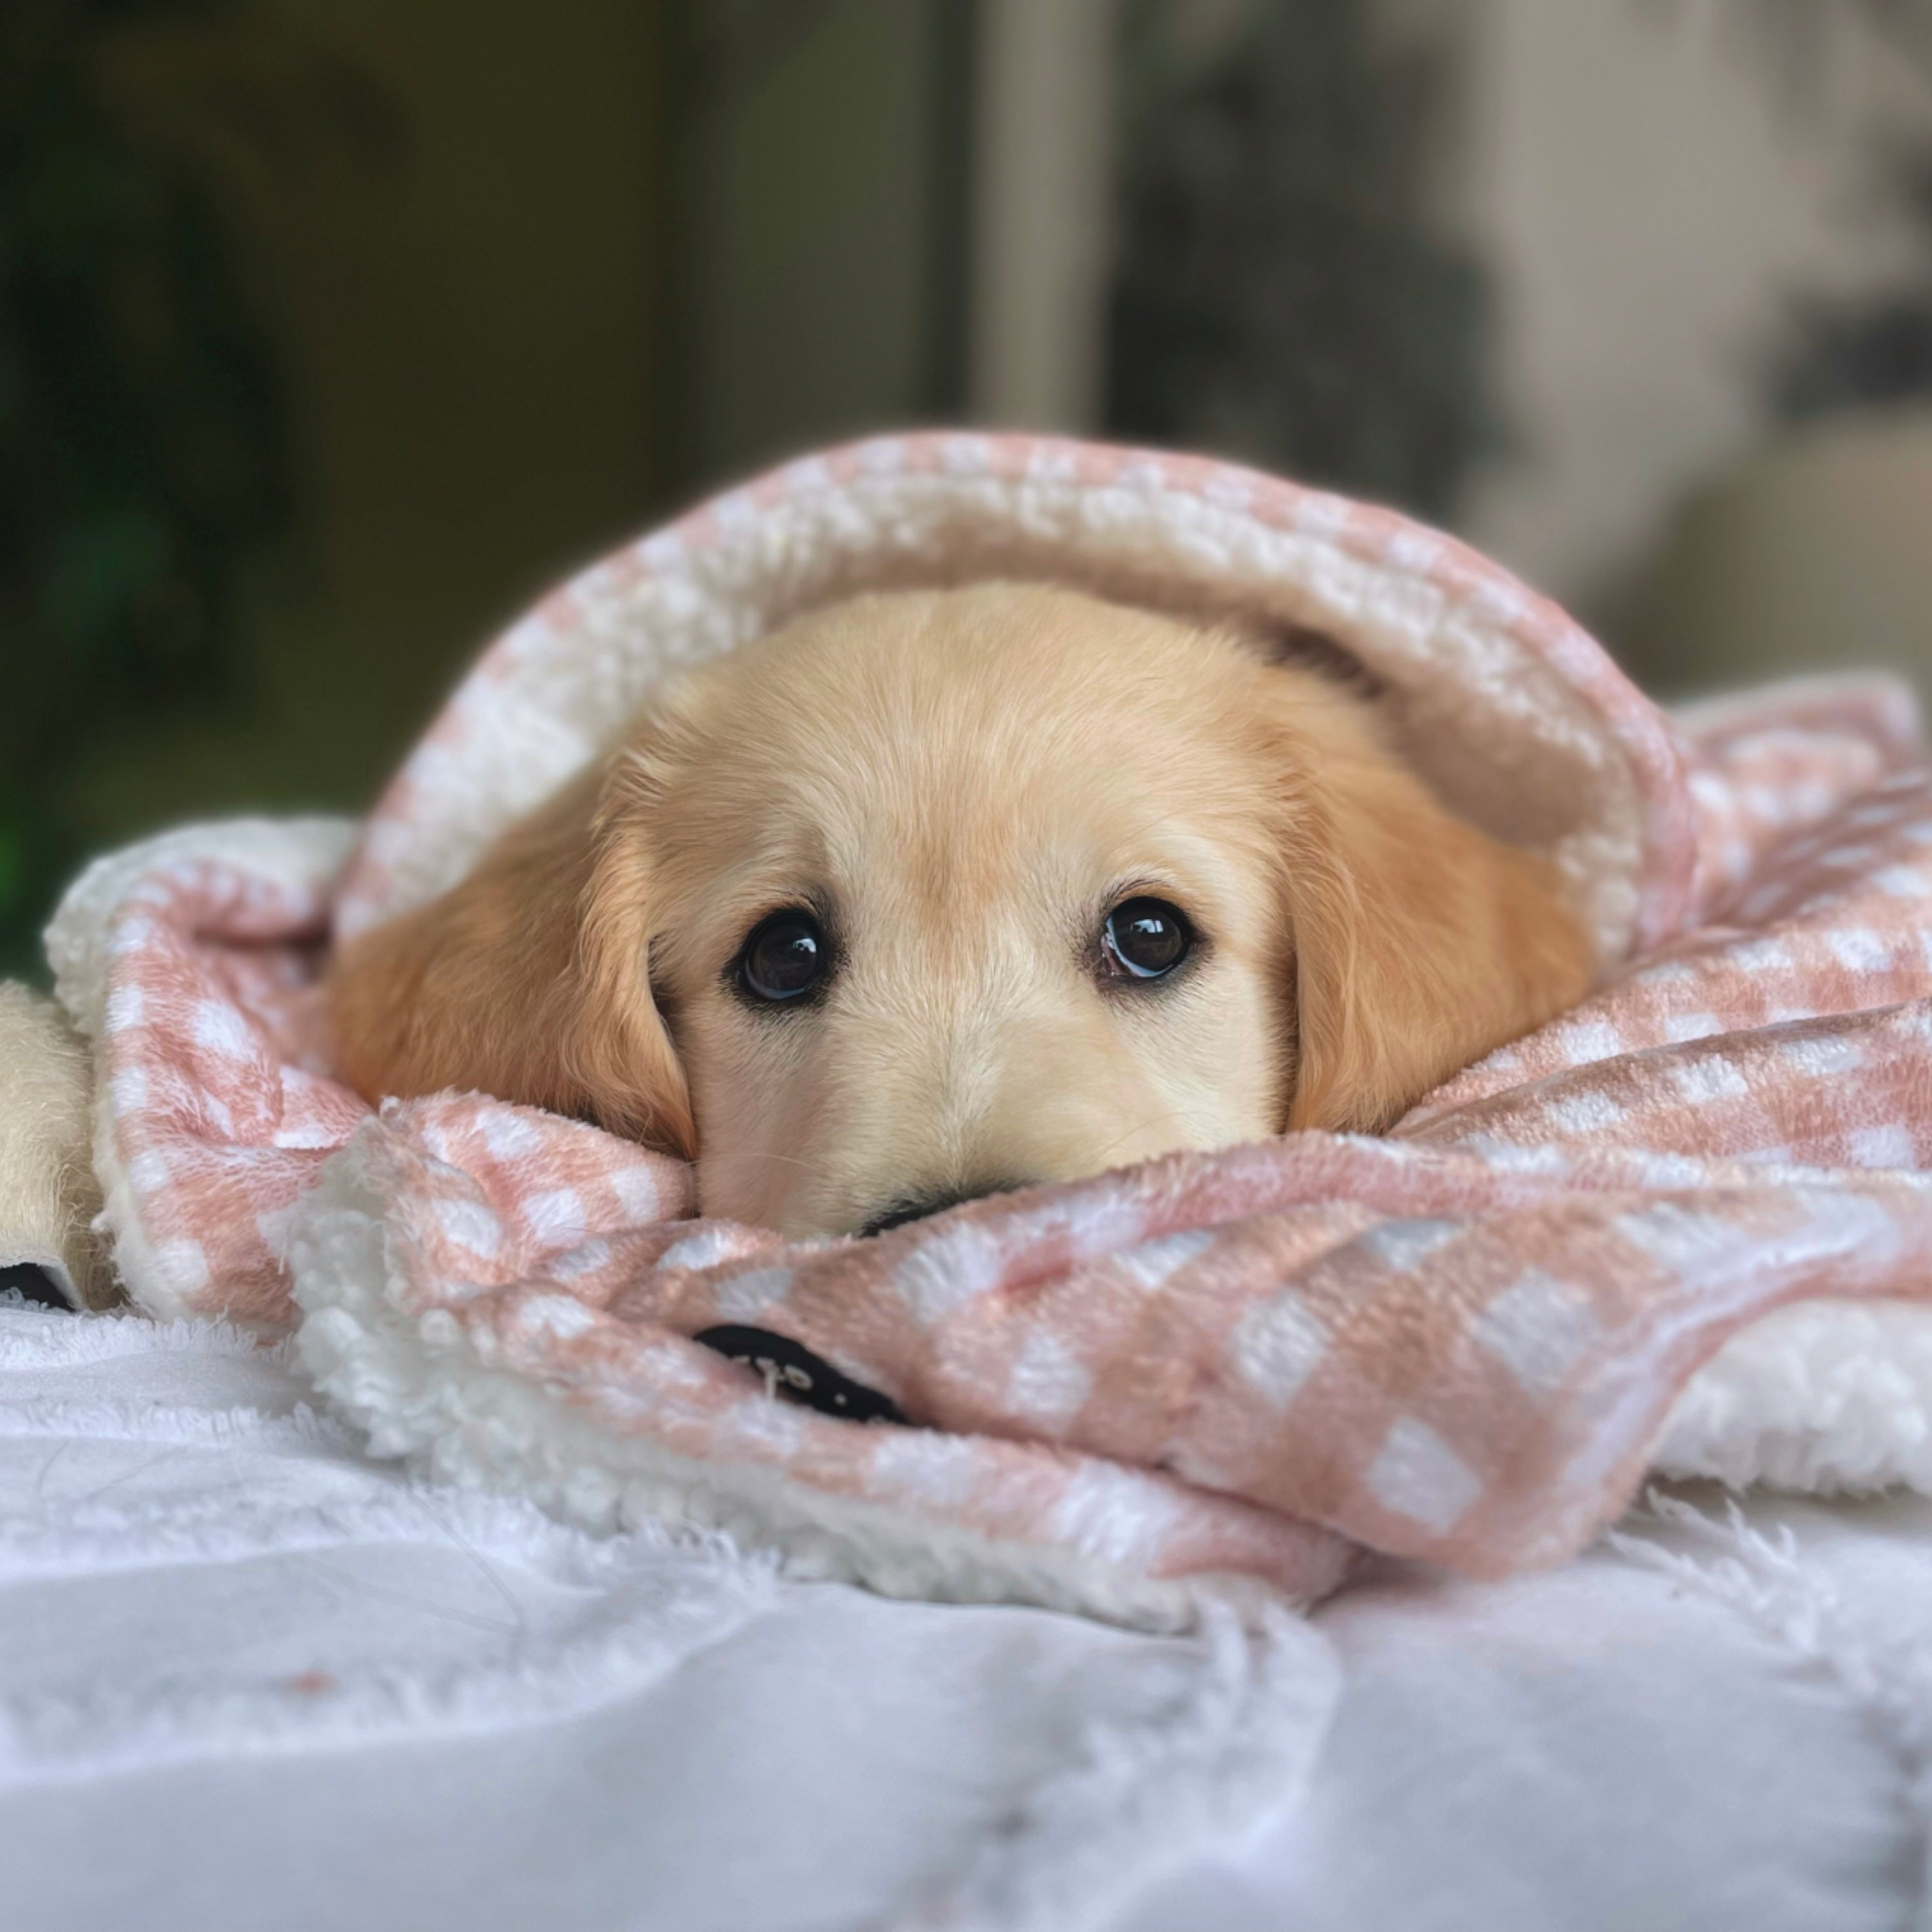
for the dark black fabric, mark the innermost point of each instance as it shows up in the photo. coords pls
(34, 1284)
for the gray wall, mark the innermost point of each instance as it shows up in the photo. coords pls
(818, 271)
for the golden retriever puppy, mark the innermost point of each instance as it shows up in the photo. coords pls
(934, 894)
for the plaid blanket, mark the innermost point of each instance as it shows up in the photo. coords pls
(1458, 1342)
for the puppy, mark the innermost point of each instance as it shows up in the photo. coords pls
(935, 894)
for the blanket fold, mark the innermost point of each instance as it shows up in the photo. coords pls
(1217, 1373)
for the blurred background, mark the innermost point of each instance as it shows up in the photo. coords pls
(331, 331)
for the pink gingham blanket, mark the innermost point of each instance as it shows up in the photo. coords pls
(1457, 1342)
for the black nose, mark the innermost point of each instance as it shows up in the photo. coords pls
(917, 1206)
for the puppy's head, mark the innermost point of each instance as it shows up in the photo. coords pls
(938, 893)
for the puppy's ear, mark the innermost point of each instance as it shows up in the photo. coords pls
(1420, 942)
(528, 981)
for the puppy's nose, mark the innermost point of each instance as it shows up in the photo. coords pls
(917, 1206)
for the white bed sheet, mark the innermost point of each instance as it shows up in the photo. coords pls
(250, 1680)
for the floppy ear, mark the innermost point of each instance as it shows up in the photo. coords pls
(1420, 942)
(528, 981)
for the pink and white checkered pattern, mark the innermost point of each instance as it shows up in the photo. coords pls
(1456, 1342)
(1538, 710)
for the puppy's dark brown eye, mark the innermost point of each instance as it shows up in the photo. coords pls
(1145, 939)
(784, 957)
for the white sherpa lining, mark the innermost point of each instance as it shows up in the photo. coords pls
(1824, 1396)
(419, 1389)
(1831, 1397)
(1508, 740)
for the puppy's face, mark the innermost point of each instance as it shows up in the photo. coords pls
(950, 894)
(939, 893)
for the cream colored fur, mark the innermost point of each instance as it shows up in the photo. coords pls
(48, 1195)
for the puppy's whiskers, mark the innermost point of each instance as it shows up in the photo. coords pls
(791, 1159)
(1140, 1127)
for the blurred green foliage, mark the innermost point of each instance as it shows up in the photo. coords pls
(144, 450)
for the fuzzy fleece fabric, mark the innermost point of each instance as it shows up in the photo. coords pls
(1216, 1376)
(311, 1693)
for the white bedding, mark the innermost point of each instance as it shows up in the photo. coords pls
(249, 1679)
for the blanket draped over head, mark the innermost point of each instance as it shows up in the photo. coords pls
(1214, 1374)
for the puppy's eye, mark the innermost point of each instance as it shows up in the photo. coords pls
(784, 956)
(1145, 939)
